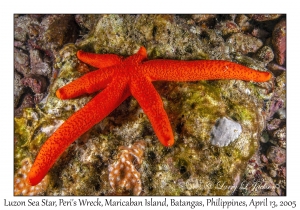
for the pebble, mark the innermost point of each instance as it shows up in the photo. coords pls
(281, 113)
(260, 33)
(274, 106)
(264, 137)
(224, 132)
(279, 41)
(203, 18)
(19, 44)
(276, 155)
(273, 124)
(18, 89)
(38, 97)
(25, 103)
(56, 31)
(282, 172)
(241, 20)
(38, 66)
(273, 173)
(87, 21)
(263, 158)
(265, 54)
(244, 43)
(275, 67)
(21, 29)
(280, 134)
(38, 84)
(228, 27)
(264, 17)
(21, 62)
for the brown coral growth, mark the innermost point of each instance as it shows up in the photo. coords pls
(22, 187)
(123, 175)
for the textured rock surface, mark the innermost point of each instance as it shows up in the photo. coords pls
(264, 17)
(279, 41)
(276, 155)
(244, 43)
(18, 89)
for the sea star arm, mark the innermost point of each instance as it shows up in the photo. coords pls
(137, 58)
(99, 60)
(173, 70)
(144, 92)
(80, 122)
(88, 83)
(92, 81)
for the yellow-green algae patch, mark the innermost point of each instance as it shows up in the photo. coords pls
(193, 166)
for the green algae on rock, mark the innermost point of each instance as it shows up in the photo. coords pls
(163, 38)
(194, 166)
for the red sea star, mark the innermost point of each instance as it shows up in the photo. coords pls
(121, 78)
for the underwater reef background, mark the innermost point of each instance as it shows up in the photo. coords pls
(251, 160)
